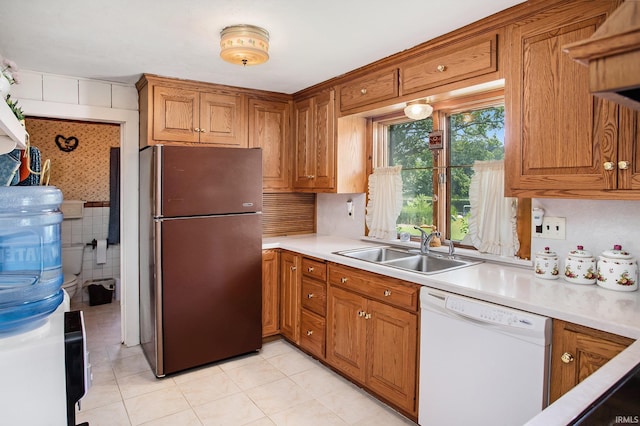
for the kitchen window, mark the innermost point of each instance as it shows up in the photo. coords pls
(436, 182)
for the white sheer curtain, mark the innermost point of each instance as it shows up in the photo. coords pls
(492, 223)
(385, 202)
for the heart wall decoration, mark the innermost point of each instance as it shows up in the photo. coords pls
(66, 144)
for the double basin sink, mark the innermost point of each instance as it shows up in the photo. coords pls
(409, 260)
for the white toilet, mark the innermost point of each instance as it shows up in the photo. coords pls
(71, 267)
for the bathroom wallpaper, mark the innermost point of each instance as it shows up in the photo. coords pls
(79, 154)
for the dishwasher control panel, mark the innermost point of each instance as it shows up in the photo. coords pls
(488, 313)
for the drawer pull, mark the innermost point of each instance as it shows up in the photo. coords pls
(310, 269)
(367, 316)
(310, 296)
(623, 165)
(441, 68)
(309, 332)
(608, 165)
(387, 293)
(566, 357)
(310, 176)
(197, 129)
(343, 280)
(363, 91)
(361, 313)
(293, 268)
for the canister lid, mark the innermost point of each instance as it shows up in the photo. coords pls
(33, 199)
(547, 252)
(580, 252)
(617, 253)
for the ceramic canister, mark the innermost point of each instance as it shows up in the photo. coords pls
(580, 267)
(546, 264)
(617, 270)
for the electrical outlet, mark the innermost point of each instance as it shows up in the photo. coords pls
(553, 228)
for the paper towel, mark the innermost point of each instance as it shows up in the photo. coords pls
(101, 252)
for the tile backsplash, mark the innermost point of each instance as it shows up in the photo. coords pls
(93, 225)
(595, 224)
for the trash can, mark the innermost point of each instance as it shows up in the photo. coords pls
(101, 291)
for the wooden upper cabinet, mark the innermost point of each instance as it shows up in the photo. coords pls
(460, 61)
(578, 351)
(373, 88)
(269, 129)
(186, 115)
(561, 140)
(314, 159)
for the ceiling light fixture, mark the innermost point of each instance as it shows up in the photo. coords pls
(418, 110)
(244, 45)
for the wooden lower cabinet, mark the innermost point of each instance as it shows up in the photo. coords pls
(578, 351)
(290, 296)
(313, 307)
(373, 343)
(270, 292)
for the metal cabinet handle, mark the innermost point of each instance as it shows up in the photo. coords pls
(361, 313)
(608, 165)
(363, 91)
(310, 176)
(203, 130)
(343, 280)
(441, 68)
(566, 358)
(310, 296)
(309, 332)
(293, 268)
(367, 316)
(197, 129)
(387, 293)
(623, 165)
(310, 269)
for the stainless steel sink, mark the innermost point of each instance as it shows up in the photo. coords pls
(377, 254)
(430, 263)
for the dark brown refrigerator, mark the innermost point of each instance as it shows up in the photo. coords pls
(200, 255)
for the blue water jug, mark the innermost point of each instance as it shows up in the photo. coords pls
(30, 254)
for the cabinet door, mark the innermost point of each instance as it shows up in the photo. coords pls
(392, 337)
(304, 161)
(559, 134)
(222, 120)
(629, 149)
(290, 296)
(578, 351)
(175, 114)
(346, 332)
(270, 292)
(269, 130)
(324, 132)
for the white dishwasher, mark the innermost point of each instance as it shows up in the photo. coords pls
(480, 363)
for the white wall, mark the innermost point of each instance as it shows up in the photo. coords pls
(66, 97)
(332, 217)
(595, 224)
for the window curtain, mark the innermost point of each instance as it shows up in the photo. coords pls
(385, 202)
(492, 223)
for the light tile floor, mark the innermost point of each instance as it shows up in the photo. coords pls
(280, 385)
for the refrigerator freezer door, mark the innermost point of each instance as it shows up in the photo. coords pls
(196, 181)
(211, 289)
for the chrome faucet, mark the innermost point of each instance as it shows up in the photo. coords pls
(451, 247)
(425, 239)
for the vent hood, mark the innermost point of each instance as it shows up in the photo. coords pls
(613, 56)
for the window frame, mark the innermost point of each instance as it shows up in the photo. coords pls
(441, 112)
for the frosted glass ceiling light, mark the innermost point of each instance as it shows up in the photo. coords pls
(244, 45)
(418, 110)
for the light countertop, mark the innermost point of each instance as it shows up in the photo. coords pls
(517, 287)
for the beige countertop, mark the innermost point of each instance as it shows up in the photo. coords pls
(517, 287)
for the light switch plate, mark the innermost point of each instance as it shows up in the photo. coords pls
(553, 228)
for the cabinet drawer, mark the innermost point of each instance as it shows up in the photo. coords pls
(373, 88)
(314, 268)
(461, 61)
(312, 332)
(314, 296)
(387, 290)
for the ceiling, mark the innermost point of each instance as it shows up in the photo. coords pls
(311, 41)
